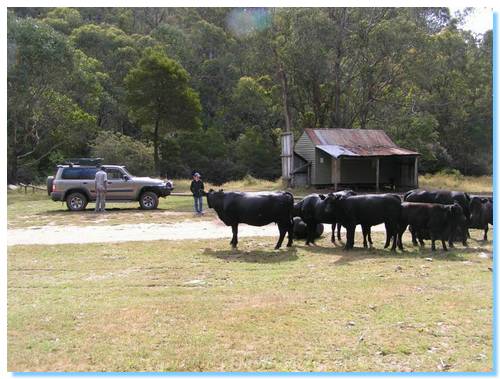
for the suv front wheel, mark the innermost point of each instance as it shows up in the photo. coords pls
(76, 201)
(148, 200)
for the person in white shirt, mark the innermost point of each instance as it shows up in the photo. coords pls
(101, 185)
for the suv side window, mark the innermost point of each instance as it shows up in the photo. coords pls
(79, 173)
(114, 174)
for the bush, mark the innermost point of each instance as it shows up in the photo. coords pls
(116, 148)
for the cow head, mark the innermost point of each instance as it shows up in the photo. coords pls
(476, 210)
(332, 202)
(457, 220)
(215, 198)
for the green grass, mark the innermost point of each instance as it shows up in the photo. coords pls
(36, 209)
(454, 182)
(197, 305)
(451, 181)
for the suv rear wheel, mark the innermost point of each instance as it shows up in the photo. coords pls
(76, 201)
(148, 200)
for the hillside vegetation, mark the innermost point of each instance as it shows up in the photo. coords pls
(170, 90)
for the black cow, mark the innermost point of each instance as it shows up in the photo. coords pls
(430, 221)
(257, 209)
(481, 209)
(312, 211)
(300, 229)
(446, 198)
(366, 210)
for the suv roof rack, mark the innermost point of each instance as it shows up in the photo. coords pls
(83, 161)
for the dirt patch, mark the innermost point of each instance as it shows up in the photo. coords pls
(186, 230)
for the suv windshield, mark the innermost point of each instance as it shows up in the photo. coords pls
(127, 172)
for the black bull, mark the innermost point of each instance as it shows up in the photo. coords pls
(257, 209)
(446, 198)
(366, 210)
(429, 221)
(481, 209)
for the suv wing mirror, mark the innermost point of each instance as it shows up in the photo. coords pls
(126, 177)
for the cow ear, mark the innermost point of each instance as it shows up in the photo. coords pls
(322, 197)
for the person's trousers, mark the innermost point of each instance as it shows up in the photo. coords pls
(100, 201)
(198, 204)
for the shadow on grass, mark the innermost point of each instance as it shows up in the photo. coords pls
(285, 254)
(360, 253)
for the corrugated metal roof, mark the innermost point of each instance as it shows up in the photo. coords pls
(355, 142)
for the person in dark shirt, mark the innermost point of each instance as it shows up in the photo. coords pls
(197, 188)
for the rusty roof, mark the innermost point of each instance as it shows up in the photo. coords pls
(355, 142)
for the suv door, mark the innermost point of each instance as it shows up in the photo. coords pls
(78, 178)
(118, 187)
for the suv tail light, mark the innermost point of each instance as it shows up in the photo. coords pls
(53, 187)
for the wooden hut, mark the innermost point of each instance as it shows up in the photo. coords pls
(354, 158)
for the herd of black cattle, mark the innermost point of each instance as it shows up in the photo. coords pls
(430, 215)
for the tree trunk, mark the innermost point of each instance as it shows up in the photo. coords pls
(12, 160)
(155, 145)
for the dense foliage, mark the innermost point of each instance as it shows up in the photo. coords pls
(211, 88)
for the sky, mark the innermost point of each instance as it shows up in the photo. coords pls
(479, 21)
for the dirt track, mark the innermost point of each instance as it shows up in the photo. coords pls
(186, 230)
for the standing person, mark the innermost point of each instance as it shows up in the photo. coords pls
(101, 185)
(197, 188)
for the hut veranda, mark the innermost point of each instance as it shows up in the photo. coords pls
(357, 158)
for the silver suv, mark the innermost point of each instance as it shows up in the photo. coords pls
(75, 184)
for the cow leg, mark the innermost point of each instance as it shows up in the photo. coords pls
(444, 245)
(388, 235)
(290, 234)
(234, 241)
(333, 233)
(485, 237)
(283, 229)
(350, 237)
(311, 230)
(433, 242)
(400, 231)
(338, 231)
(365, 234)
(413, 237)
(465, 235)
(452, 237)
(394, 234)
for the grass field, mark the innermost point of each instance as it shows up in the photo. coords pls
(193, 306)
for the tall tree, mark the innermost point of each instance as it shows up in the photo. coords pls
(160, 97)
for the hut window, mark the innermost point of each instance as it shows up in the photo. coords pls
(321, 160)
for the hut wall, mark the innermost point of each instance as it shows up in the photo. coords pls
(323, 168)
(306, 149)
